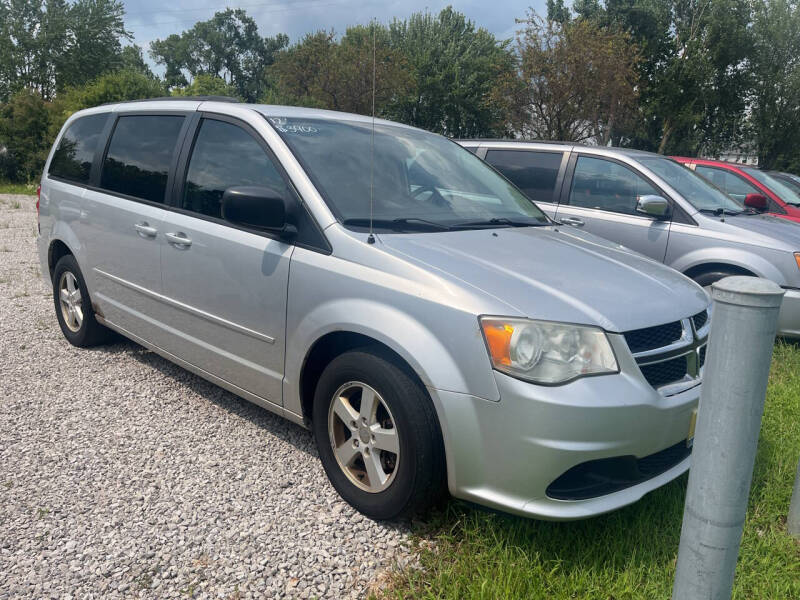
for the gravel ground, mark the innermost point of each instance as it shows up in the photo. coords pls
(123, 475)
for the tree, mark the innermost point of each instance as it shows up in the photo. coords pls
(321, 72)
(775, 68)
(48, 45)
(692, 72)
(24, 143)
(578, 81)
(205, 85)
(456, 67)
(132, 59)
(227, 46)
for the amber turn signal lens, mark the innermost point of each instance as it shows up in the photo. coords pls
(797, 259)
(498, 339)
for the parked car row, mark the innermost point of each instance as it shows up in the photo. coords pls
(653, 205)
(389, 290)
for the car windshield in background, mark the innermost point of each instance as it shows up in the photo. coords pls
(785, 193)
(422, 181)
(701, 193)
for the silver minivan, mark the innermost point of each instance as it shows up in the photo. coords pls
(385, 288)
(655, 206)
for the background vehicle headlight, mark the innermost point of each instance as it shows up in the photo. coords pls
(547, 352)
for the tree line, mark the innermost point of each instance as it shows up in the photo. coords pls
(693, 77)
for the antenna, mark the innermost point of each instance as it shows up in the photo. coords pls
(371, 236)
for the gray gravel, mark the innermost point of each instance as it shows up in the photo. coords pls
(123, 475)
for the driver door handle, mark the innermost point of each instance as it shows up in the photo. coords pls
(178, 239)
(574, 221)
(145, 230)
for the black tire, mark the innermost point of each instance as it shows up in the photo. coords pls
(90, 332)
(419, 480)
(706, 279)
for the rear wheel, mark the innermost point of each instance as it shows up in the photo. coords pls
(73, 306)
(377, 435)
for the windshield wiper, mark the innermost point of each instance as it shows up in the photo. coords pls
(403, 224)
(498, 221)
(718, 212)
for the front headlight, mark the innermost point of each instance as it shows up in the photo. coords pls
(546, 352)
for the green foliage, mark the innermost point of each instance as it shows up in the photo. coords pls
(775, 68)
(48, 45)
(205, 85)
(116, 86)
(132, 59)
(227, 46)
(24, 143)
(578, 81)
(456, 66)
(325, 73)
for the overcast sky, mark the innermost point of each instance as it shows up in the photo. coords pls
(153, 19)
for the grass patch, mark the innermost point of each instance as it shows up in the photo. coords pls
(7, 187)
(470, 553)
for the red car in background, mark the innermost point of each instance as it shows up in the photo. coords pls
(752, 187)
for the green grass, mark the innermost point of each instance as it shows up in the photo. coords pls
(17, 188)
(469, 553)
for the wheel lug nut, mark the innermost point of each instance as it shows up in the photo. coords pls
(355, 443)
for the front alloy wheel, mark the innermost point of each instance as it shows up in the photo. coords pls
(363, 437)
(377, 434)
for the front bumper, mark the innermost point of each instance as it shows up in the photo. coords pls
(789, 317)
(505, 454)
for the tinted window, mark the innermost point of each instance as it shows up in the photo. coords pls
(73, 158)
(535, 173)
(140, 154)
(224, 156)
(606, 185)
(728, 182)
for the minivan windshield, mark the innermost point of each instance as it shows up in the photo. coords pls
(698, 191)
(419, 181)
(783, 191)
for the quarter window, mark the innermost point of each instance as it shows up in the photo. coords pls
(535, 173)
(139, 156)
(606, 185)
(73, 158)
(224, 156)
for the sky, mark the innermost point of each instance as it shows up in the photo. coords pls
(153, 19)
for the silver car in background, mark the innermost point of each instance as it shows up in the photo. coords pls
(655, 206)
(446, 334)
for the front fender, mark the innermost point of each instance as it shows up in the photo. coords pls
(423, 349)
(736, 257)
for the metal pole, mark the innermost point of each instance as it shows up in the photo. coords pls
(745, 319)
(793, 521)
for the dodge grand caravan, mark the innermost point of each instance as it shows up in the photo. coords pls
(655, 206)
(445, 334)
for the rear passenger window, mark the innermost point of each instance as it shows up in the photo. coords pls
(73, 158)
(224, 156)
(535, 173)
(606, 185)
(139, 155)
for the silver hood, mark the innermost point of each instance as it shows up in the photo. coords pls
(556, 273)
(759, 230)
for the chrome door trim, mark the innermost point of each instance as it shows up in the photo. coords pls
(190, 309)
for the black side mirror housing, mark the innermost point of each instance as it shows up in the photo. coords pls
(653, 206)
(262, 208)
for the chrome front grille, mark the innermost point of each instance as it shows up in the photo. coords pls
(671, 356)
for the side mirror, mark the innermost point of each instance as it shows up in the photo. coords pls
(757, 202)
(652, 206)
(262, 208)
